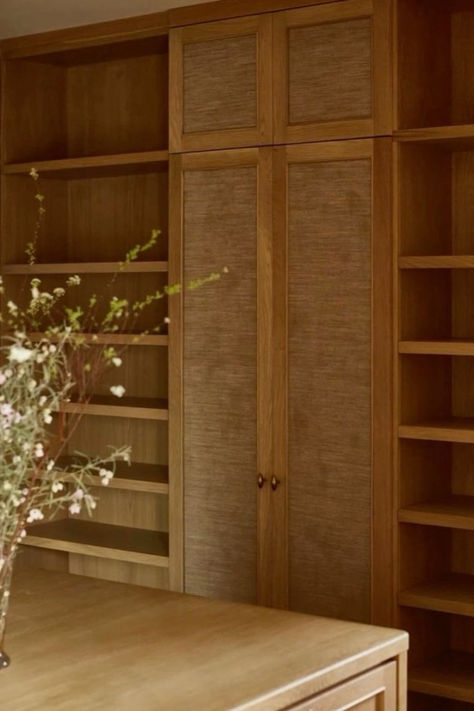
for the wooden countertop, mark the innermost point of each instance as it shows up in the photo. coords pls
(80, 643)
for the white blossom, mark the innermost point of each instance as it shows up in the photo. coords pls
(117, 390)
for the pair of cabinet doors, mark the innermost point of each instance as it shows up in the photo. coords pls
(315, 73)
(281, 419)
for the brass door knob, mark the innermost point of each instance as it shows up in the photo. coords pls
(274, 482)
(261, 481)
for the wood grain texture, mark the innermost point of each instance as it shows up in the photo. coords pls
(220, 380)
(221, 84)
(374, 691)
(170, 670)
(329, 257)
(175, 380)
(226, 98)
(323, 75)
(329, 71)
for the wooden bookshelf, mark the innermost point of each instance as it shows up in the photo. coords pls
(103, 406)
(97, 134)
(89, 166)
(450, 676)
(454, 430)
(451, 512)
(452, 347)
(115, 339)
(449, 261)
(136, 476)
(129, 545)
(453, 594)
(85, 268)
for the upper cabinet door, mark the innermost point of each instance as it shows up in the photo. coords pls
(220, 84)
(332, 71)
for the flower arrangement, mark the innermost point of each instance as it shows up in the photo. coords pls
(37, 376)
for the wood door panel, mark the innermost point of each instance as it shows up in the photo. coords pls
(225, 99)
(329, 312)
(330, 71)
(220, 84)
(220, 372)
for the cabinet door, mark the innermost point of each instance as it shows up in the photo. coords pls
(338, 395)
(374, 691)
(220, 84)
(332, 71)
(220, 204)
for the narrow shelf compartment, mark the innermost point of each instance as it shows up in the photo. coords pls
(452, 512)
(85, 268)
(450, 675)
(138, 476)
(102, 540)
(116, 339)
(437, 261)
(459, 429)
(133, 407)
(451, 347)
(90, 166)
(453, 594)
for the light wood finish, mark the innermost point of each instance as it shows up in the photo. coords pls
(116, 339)
(348, 164)
(137, 476)
(225, 9)
(86, 268)
(221, 450)
(449, 676)
(453, 512)
(101, 540)
(454, 347)
(175, 383)
(313, 654)
(454, 594)
(101, 33)
(453, 261)
(374, 691)
(141, 408)
(89, 165)
(457, 430)
(220, 85)
(105, 100)
(332, 71)
(450, 135)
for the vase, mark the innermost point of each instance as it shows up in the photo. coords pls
(5, 583)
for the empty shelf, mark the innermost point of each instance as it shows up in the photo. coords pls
(102, 540)
(134, 407)
(453, 594)
(452, 512)
(456, 430)
(451, 675)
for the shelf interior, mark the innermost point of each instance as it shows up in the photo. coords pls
(136, 476)
(102, 540)
(109, 99)
(451, 675)
(452, 594)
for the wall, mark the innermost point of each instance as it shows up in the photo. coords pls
(21, 17)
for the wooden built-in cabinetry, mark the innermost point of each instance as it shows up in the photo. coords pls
(434, 159)
(284, 452)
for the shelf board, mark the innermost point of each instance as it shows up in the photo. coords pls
(452, 136)
(91, 166)
(116, 339)
(84, 268)
(451, 676)
(134, 407)
(131, 545)
(455, 430)
(150, 478)
(454, 347)
(452, 512)
(437, 261)
(453, 594)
